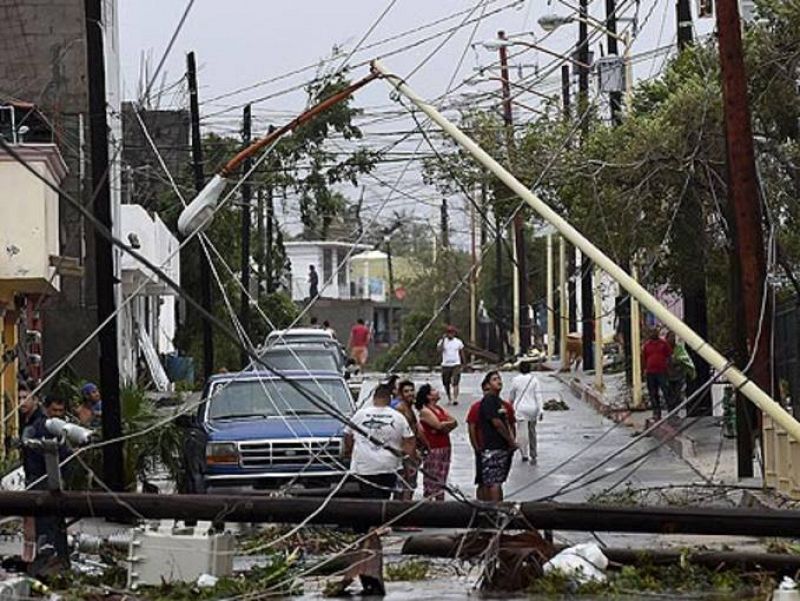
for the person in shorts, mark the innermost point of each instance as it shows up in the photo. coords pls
(452, 349)
(473, 417)
(497, 439)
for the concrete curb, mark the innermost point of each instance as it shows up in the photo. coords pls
(680, 444)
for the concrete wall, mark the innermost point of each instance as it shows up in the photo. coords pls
(43, 60)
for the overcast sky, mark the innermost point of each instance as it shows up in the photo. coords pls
(242, 43)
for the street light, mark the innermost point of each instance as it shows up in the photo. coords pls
(553, 21)
(199, 213)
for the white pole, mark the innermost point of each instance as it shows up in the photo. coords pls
(515, 341)
(598, 329)
(551, 330)
(749, 388)
(636, 346)
(563, 309)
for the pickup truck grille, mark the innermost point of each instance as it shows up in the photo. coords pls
(288, 452)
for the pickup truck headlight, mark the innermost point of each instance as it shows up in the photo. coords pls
(221, 453)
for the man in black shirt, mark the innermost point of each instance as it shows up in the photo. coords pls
(498, 442)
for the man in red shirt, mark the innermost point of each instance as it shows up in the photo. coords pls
(359, 341)
(655, 359)
(473, 417)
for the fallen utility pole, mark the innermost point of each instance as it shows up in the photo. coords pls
(475, 542)
(104, 253)
(727, 371)
(749, 264)
(448, 514)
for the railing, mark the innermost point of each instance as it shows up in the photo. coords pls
(781, 459)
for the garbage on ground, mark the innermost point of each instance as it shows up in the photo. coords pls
(786, 591)
(584, 563)
(555, 405)
(207, 581)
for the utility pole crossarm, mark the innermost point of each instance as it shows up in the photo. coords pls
(749, 388)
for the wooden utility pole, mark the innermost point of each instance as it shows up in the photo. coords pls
(565, 86)
(587, 293)
(199, 183)
(247, 195)
(522, 325)
(269, 254)
(445, 231)
(684, 18)
(104, 253)
(749, 264)
(615, 98)
(693, 289)
(262, 262)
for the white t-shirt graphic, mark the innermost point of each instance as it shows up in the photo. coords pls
(386, 425)
(451, 351)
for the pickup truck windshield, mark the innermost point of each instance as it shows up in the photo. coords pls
(301, 360)
(275, 398)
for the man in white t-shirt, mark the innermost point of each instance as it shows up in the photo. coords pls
(372, 461)
(525, 394)
(452, 349)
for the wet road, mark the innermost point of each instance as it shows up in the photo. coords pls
(562, 434)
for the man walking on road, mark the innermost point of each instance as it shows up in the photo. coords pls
(452, 349)
(526, 396)
(373, 462)
(359, 343)
(656, 353)
(497, 440)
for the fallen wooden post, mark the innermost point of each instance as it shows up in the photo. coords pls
(457, 546)
(362, 513)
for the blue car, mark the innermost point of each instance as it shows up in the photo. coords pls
(255, 430)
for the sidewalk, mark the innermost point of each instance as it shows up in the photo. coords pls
(697, 440)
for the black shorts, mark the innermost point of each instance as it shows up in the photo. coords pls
(451, 375)
(478, 477)
(377, 486)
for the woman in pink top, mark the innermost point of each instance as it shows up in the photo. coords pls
(436, 424)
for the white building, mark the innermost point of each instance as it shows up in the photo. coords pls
(146, 324)
(331, 262)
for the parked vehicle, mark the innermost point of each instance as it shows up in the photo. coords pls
(256, 430)
(303, 357)
(298, 335)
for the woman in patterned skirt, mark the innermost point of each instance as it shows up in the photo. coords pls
(437, 424)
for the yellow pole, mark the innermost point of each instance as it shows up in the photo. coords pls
(551, 323)
(636, 347)
(598, 329)
(747, 387)
(515, 291)
(562, 302)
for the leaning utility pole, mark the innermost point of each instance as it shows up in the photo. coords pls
(199, 183)
(104, 253)
(587, 291)
(244, 306)
(749, 264)
(522, 326)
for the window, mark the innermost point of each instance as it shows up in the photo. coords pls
(327, 266)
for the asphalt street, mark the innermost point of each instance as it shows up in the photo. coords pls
(562, 434)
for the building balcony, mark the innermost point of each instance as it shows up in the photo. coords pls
(29, 237)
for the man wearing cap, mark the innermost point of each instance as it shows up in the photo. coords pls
(91, 407)
(452, 349)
